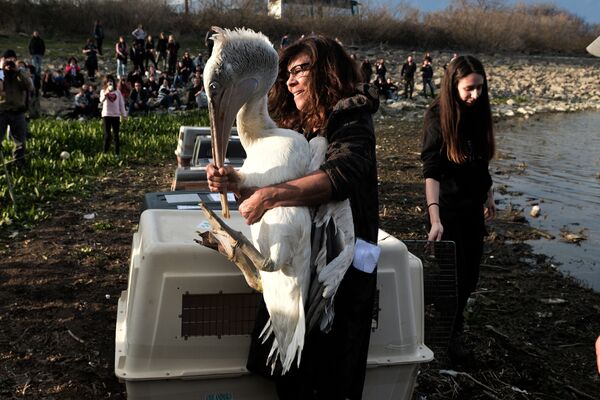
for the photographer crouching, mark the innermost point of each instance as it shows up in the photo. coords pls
(14, 88)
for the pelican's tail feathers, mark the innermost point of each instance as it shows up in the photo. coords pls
(274, 352)
(266, 332)
(294, 348)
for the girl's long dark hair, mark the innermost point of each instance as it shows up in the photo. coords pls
(452, 111)
(333, 75)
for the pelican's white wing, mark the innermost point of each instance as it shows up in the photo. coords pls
(333, 239)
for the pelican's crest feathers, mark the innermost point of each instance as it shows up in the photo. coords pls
(245, 50)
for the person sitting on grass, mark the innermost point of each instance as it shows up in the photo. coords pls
(135, 75)
(197, 95)
(93, 98)
(53, 82)
(152, 86)
(138, 100)
(81, 102)
(391, 92)
(73, 75)
(168, 96)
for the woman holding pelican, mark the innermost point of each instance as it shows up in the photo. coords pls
(318, 93)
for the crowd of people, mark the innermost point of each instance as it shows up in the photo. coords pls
(150, 74)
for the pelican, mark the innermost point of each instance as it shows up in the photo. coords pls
(238, 75)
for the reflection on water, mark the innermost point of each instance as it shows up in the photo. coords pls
(555, 161)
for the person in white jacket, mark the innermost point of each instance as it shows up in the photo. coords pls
(113, 110)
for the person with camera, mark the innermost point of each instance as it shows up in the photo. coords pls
(14, 88)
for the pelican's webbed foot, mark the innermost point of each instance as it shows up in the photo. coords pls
(236, 247)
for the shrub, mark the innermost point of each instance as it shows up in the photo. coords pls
(482, 25)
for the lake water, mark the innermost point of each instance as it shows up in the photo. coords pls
(554, 161)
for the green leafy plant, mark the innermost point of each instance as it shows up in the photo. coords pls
(148, 140)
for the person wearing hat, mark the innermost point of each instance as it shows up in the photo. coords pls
(14, 86)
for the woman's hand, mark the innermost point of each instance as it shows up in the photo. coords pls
(222, 179)
(489, 209)
(436, 231)
(253, 207)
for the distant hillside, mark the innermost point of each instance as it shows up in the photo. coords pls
(483, 28)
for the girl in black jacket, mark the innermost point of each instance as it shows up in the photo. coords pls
(458, 143)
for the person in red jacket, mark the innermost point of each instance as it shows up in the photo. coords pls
(73, 74)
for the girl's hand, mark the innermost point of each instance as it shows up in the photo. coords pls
(435, 233)
(489, 209)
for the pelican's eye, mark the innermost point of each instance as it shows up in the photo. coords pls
(214, 86)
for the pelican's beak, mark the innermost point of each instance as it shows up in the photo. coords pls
(223, 107)
(594, 47)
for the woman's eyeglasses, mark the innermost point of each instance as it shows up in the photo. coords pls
(298, 70)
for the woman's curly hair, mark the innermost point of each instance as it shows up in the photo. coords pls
(333, 75)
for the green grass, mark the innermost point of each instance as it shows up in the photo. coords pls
(144, 140)
(55, 48)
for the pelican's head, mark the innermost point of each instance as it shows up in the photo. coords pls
(243, 66)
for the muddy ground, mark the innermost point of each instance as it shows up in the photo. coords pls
(532, 329)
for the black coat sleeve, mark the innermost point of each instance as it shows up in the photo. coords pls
(431, 152)
(350, 158)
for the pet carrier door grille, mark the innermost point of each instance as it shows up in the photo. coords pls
(220, 314)
(440, 290)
